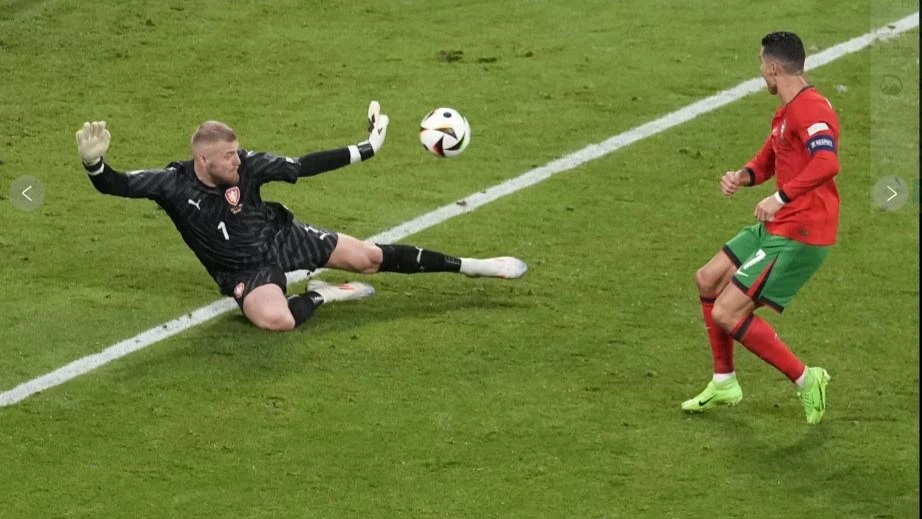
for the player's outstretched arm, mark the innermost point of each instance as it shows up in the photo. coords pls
(323, 161)
(92, 143)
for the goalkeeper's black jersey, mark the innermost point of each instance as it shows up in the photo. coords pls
(228, 228)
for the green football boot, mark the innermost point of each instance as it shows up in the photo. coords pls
(813, 395)
(727, 392)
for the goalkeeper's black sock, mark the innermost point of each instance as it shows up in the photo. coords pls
(302, 307)
(411, 260)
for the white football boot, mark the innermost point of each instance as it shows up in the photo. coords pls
(352, 291)
(505, 267)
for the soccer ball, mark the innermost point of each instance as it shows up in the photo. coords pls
(444, 132)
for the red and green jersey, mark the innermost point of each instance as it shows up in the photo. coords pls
(802, 154)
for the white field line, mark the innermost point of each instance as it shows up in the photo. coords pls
(446, 212)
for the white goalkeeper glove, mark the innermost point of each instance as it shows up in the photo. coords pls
(93, 141)
(377, 132)
(377, 126)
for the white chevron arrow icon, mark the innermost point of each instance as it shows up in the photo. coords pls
(893, 195)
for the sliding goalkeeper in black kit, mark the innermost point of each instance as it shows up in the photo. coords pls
(247, 244)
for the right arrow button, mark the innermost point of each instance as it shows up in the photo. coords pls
(890, 193)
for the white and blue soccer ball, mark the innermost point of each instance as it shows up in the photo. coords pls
(445, 132)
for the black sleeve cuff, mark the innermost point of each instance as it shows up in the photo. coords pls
(785, 198)
(322, 161)
(96, 168)
(365, 150)
(752, 176)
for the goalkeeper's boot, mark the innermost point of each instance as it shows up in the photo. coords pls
(813, 395)
(505, 267)
(352, 291)
(727, 393)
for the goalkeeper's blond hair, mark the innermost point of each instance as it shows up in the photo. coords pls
(210, 132)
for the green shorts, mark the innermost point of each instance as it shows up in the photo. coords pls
(771, 269)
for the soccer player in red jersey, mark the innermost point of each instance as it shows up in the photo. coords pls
(767, 263)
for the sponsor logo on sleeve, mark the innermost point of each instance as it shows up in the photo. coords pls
(816, 128)
(821, 143)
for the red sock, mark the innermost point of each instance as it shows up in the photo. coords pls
(721, 341)
(759, 337)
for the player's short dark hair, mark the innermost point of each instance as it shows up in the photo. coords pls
(787, 49)
(213, 131)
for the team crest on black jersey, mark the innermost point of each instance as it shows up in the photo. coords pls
(232, 196)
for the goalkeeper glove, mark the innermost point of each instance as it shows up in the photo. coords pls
(93, 141)
(377, 131)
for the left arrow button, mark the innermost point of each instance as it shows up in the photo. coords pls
(27, 193)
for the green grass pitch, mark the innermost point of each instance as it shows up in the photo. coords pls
(553, 396)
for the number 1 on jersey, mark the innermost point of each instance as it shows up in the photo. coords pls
(223, 229)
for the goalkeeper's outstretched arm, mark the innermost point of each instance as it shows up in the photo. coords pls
(92, 143)
(267, 167)
(322, 161)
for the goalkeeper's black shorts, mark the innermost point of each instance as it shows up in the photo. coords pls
(298, 246)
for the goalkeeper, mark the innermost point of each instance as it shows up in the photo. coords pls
(247, 244)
